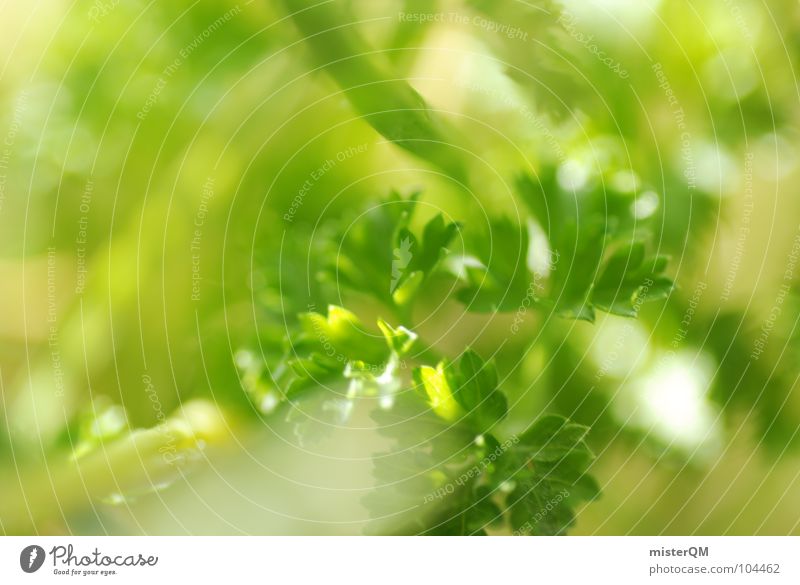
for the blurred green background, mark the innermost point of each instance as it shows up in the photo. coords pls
(151, 152)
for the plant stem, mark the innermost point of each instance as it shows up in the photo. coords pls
(388, 103)
(142, 461)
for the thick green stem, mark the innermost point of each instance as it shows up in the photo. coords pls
(143, 460)
(389, 104)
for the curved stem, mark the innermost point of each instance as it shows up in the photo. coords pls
(139, 462)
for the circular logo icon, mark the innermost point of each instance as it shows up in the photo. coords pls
(31, 558)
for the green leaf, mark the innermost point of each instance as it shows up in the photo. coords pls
(579, 230)
(341, 337)
(379, 255)
(399, 339)
(502, 279)
(570, 473)
(470, 512)
(476, 391)
(553, 437)
(541, 199)
(628, 280)
(363, 254)
(442, 479)
(404, 294)
(580, 250)
(554, 479)
(415, 260)
(436, 236)
(540, 507)
(438, 392)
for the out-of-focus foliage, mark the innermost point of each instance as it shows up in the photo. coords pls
(399, 266)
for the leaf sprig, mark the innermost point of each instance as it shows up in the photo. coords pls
(449, 473)
(452, 468)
